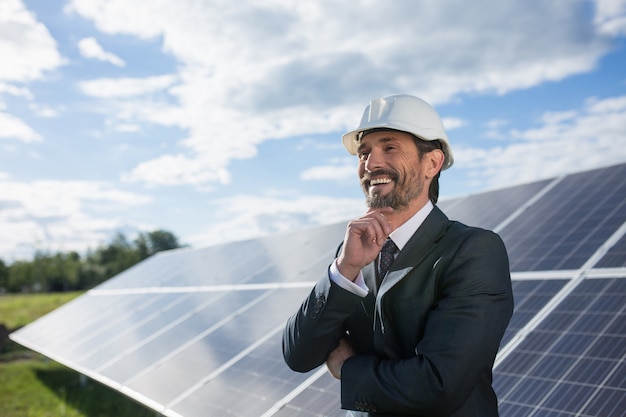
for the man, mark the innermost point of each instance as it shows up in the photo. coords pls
(420, 339)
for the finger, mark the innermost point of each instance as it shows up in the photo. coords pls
(379, 216)
(370, 230)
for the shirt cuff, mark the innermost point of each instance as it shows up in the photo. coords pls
(357, 287)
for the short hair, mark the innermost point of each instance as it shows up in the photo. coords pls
(424, 147)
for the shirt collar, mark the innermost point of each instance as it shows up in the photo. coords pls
(402, 234)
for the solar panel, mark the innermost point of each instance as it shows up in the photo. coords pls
(197, 332)
(615, 257)
(565, 227)
(573, 363)
(490, 209)
(530, 297)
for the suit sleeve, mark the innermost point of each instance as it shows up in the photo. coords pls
(318, 325)
(461, 337)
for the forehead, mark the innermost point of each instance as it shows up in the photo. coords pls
(385, 136)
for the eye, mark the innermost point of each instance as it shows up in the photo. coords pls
(363, 155)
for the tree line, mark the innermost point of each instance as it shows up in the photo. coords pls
(69, 271)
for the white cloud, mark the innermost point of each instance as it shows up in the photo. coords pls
(12, 127)
(54, 215)
(126, 87)
(43, 111)
(177, 169)
(494, 127)
(339, 170)
(564, 142)
(246, 217)
(127, 128)
(451, 123)
(28, 51)
(26, 46)
(611, 17)
(250, 72)
(15, 91)
(90, 48)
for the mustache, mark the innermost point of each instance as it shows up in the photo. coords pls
(368, 175)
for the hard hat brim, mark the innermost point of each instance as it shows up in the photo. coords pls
(351, 142)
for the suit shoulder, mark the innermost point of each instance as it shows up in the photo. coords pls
(459, 227)
(472, 234)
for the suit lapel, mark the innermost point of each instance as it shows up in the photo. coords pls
(369, 275)
(421, 243)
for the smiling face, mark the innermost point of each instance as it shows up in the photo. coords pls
(391, 170)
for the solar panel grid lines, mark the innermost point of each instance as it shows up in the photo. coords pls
(68, 324)
(494, 209)
(295, 392)
(604, 247)
(615, 256)
(536, 320)
(182, 346)
(513, 342)
(320, 398)
(554, 222)
(108, 344)
(530, 297)
(321, 395)
(599, 390)
(613, 250)
(160, 338)
(528, 203)
(598, 230)
(580, 350)
(225, 366)
(515, 334)
(193, 268)
(258, 380)
(552, 397)
(246, 336)
(605, 211)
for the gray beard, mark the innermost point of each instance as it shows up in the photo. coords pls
(396, 200)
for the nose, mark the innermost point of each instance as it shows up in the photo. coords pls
(374, 160)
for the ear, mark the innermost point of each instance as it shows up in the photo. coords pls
(433, 162)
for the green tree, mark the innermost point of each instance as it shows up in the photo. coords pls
(91, 271)
(117, 256)
(156, 241)
(68, 271)
(64, 269)
(4, 276)
(21, 277)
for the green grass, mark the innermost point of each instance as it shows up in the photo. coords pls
(33, 386)
(18, 310)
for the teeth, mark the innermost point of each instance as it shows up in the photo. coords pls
(380, 181)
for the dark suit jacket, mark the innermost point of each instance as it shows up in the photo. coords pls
(427, 339)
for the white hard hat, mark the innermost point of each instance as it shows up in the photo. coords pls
(404, 113)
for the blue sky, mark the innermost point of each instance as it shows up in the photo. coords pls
(221, 120)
